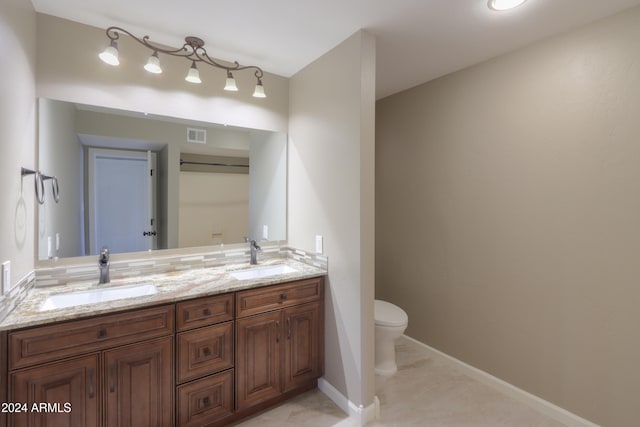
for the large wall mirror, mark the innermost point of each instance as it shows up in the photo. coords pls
(133, 182)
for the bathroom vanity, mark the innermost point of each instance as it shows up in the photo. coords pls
(205, 360)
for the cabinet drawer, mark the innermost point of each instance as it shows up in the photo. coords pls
(46, 343)
(205, 351)
(205, 401)
(204, 312)
(259, 300)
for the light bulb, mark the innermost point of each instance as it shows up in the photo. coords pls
(193, 76)
(259, 90)
(153, 64)
(504, 4)
(110, 54)
(230, 85)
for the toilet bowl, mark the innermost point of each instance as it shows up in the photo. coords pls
(390, 323)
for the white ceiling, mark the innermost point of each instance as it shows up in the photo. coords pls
(417, 40)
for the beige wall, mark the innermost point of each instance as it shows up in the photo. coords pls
(214, 208)
(17, 135)
(330, 176)
(508, 217)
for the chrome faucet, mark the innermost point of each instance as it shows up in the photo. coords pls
(103, 265)
(254, 250)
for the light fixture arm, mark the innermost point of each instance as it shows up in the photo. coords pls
(193, 49)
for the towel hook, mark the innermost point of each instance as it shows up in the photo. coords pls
(55, 188)
(39, 183)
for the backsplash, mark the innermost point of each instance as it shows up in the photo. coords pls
(9, 301)
(121, 269)
(142, 264)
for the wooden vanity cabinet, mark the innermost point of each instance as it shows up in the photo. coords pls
(279, 341)
(4, 374)
(112, 370)
(202, 362)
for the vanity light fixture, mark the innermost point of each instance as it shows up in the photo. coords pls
(500, 5)
(193, 50)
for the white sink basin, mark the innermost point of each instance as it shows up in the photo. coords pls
(94, 296)
(261, 272)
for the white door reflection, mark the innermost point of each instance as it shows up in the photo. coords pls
(121, 200)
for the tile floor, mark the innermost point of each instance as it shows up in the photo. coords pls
(424, 392)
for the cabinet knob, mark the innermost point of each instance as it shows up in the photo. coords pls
(207, 351)
(204, 402)
(102, 333)
(283, 296)
(206, 312)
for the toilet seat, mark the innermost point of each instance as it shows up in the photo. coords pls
(387, 314)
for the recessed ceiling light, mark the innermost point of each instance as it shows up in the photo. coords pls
(504, 4)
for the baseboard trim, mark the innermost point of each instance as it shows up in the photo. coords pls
(358, 413)
(557, 413)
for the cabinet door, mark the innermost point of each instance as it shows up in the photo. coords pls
(258, 358)
(139, 384)
(64, 394)
(303, 352)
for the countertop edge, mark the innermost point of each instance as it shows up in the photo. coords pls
(170, 291)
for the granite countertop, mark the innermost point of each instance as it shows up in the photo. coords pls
(172, 287)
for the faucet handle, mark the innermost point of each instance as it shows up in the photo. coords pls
(104, 254)
(103, 265)
(252, 242)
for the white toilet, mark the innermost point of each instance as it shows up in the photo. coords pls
(391, 322)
